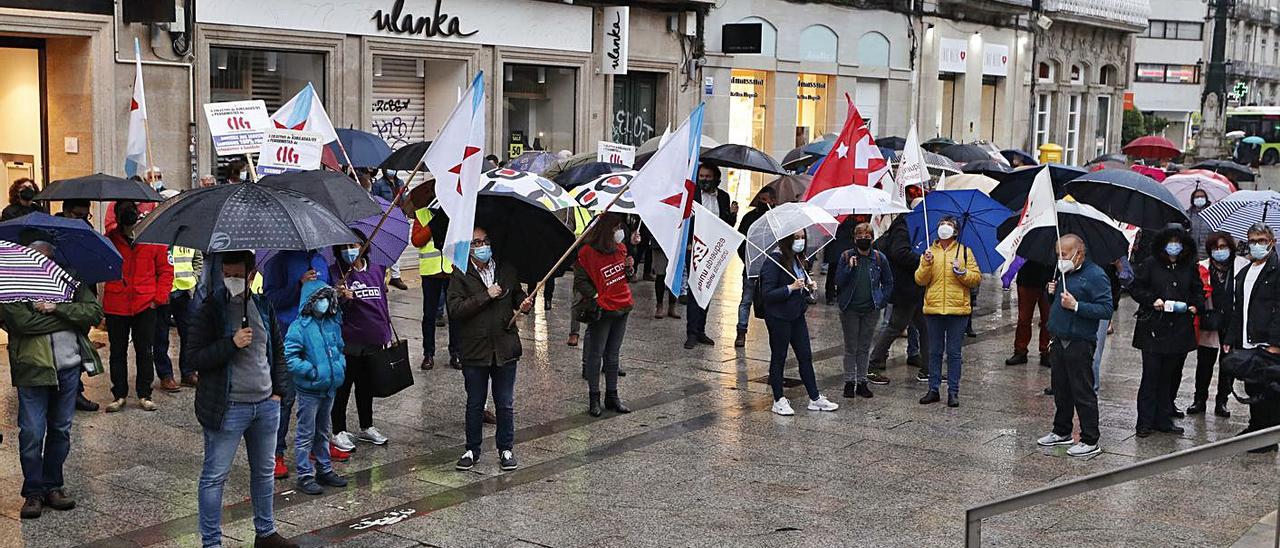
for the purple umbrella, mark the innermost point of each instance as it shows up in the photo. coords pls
(28, 276)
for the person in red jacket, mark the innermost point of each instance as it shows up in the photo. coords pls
(130, 306)
(602, 299)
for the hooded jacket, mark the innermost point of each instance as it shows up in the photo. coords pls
(947, 293)
(1160, 279)
(313, 347)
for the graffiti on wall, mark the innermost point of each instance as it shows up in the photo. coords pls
(631, 129)
(396, 129)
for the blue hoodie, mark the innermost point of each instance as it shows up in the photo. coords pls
(280, 280)
(313, 347)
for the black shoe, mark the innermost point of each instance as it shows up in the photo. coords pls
(331, 479)
(440, 322)
(689, 344)
(466, 462)
(850, 389)
(274, 540)
(703, 339)
(1196, 408)
(507, 460)
(831, 302)
(1220, 410)
(1178, 414)
(59, 500)
(308, 485)
(84, 404)
(594, 407)
(1044, 359)
(455, 362)
(930, 397)
(398, 284)
(428, 363)
(969, 333)
(1171, 430)
(1142, 432)
(1048, 391)
(740, 341)
(1016, 359)
(863, 390)
(621, 373)
(613, 403)
(953, 400)
(33, 507)
(922, 376)
(913, 361)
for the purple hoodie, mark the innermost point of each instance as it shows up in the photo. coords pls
(365, 318)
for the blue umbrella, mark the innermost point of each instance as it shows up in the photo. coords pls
(1128, 196)
(978, 217)
(78, 248)
(889, 154)
(819, 148)
(364, 148)
(1254, 140)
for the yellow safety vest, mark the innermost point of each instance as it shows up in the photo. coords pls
(431, 261)
(255, 286)
(581, 218)
(184, 272)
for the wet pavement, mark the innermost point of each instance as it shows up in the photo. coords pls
(700, 461)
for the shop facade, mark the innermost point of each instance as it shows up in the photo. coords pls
(793, 91)
(972, 82)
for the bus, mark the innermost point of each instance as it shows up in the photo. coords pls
(1261, 121)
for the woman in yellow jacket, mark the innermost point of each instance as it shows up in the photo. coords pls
(947, 271)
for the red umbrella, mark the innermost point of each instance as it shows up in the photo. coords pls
(1153, 172)
(1151, 146)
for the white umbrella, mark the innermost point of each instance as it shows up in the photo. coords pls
(851, 199)
(597, 194)
(965, 181)
(1183, 185)
(785, 220)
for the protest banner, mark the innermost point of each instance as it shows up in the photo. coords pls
(237, 126)
(285, 150)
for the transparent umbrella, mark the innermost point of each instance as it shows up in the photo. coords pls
(785, 220)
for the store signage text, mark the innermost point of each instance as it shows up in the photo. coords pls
(748, 81)
(805, 85)
(617, 23)
(440, 24)
(995, 60)
(952, 55)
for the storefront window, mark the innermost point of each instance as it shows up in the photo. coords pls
(747, 98)
(635, 101)
(539, 105)
(813, 98)
(273, 76)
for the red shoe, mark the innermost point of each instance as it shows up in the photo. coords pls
(282, 471)
(338, 455)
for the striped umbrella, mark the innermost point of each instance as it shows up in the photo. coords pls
(27, 276)
(1241, 209)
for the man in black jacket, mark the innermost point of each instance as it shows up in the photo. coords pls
(1255, 322)
(765, 200)
(238, 349)
(709, 195)
(907, 300)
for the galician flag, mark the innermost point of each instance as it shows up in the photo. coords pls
(305, 112)
(456, 159)
(135, 152)
(912, 170)
(663, 191)
(854, 160)
(1041, 210)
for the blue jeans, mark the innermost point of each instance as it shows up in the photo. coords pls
(744, 305)
(1097, 354)
(310, 435)
(282, 430)
(794, 333)
(946, 333)
(256, 423)
(44, 431)
(477, 381)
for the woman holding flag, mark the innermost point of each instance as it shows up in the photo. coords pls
(602, 299)
(786, 287)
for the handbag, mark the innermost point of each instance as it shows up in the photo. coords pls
(389, 368)
(757, 299)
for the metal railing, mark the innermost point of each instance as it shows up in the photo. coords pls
(1195, 455)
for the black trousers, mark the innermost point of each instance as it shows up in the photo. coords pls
(142, 326)
(357, 375)
(902, 316)
(1160, 376)
(1264, 414)
(829, 288)
(1072, 380)
(1205, 360)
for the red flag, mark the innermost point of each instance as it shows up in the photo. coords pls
(854, 159)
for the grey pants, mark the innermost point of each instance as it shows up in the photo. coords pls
(858, 329)
(600, 351)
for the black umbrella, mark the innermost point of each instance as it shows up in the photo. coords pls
(526, 236)
(1106, 242)
(406, 158)
(585, 173)
(1016, 185)
(986, 167)
(966, 153)
(1128, 196)
(331, 189)
(742, 157)
(1239, 173)
(798, 160)
(1020, 157)
(246, 216)
(893, 143)
(99, 187)
(936, 144)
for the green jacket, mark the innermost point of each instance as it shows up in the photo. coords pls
(30, 346)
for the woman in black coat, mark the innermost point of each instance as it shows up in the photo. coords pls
(1169, 294)
(785, 287)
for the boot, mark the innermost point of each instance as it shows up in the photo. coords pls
(671, 310)
(741, 340)
(659, 312)
(594, 407)
(1220, 410)
(612, 403)
(1196, 408)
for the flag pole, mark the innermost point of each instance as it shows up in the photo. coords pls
(253, 170)
(351, 170)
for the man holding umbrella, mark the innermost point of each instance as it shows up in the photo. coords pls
(717, 201)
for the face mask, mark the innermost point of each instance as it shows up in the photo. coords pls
(482, 253)
(1199, 202)
(127, 218)
(244, 174)
(797, 246)
(1173, 249)
(1259, 251)
(1066, 265)
(27, 193)
(350, 254)
(321, 306)
(234, 285)
(619, 235)
(946, 232)
(863, 243)
(706, 184)
(1221, 255)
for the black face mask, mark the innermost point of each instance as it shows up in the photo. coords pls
(863, 243)
(127, 218)
(27, 193)
(707, 185)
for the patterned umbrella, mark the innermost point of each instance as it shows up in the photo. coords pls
(28, 276)
(1237, 212)
(597, 194)
(526, 187)
(387, 244)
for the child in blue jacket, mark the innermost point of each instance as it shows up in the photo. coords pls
(313, 351)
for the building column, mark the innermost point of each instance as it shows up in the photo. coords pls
(971, 97)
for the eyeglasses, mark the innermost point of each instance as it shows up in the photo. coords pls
(1260, 242)
(480, 241)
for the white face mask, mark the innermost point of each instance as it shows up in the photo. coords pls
(1199, 201)
(1066, 265)
(619, 235)
(946, 232)
(797, 246)
(234, 285)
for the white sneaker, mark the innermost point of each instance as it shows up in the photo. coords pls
(1082, 450)
(1051, 439)
(344, 441)
(372, 435)
(823, 404)
(783, 407)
